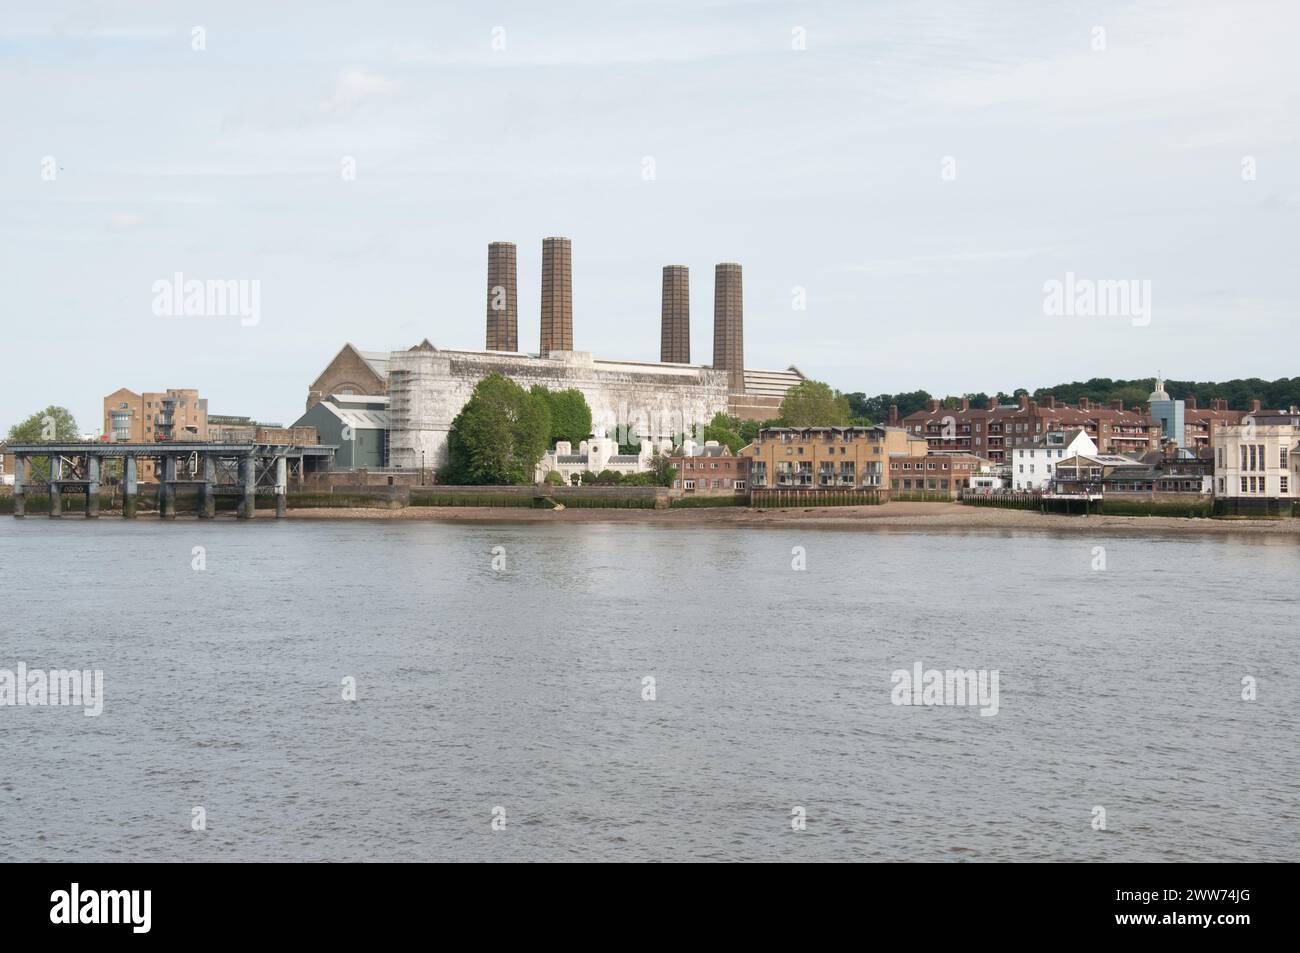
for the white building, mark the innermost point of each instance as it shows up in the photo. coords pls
(594, 455)
(1032, 466)
(1259, 460)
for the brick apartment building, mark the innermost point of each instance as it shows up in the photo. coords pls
(994, 432)
(826, 458)
(710, 470)
(178, 414)
(945, 473)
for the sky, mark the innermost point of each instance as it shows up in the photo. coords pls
(901, 181)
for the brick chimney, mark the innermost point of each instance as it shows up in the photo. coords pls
(964, 405)
(1051, 401)
(557, 295)
(1083, 404)
(1033, 407)
(675, 316)
(1117, 405)
(1189, 403)
(728, 324)
(932, 406)
(502, 298)
(1254, 406)
(893, 415)
(1024, 401)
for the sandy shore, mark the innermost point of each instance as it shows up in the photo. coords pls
(914, 516)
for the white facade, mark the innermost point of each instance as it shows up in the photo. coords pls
(428, 387)
(1259, 458)
(1032, 467)
(594, 455)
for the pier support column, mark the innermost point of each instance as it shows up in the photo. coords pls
(281, 487)
(207, 493)
(129, 487)
(248, 473)
(56, 492)
(20, 486)
(92, 487)
(167, 488)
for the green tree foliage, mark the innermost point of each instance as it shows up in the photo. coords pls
(52, 423)
(725, 430)
(570, 414)
(499, 436)
(876, 409)
(662, 472)
(814, 404)
(1238, 392)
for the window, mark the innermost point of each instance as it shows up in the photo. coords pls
(690, 484)
(1243, 484)
(1282, 458)
(716, 484)
(740, 484)
(677, 484)
(1285, 483)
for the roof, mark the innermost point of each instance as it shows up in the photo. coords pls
(341, 399)
(358, 419)
(761, 383)
(378, 361)
(624, 458)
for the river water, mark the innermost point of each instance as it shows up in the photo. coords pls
(519, 693)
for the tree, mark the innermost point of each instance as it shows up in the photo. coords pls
(570, 414)
(499, 436)
(662, 471)
(725, 430)
(814, 404)
(52, 423)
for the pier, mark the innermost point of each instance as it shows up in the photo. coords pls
(215, 469)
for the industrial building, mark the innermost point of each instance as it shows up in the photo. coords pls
(357, 425)
(427, 385)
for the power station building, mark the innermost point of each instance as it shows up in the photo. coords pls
(427, 386)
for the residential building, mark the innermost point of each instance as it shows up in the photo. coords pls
(1257, 464)
(710, 470)
(595, 455)
(6, 467)
(1032, 466)
(1086, 472)
(825, 458)
(175, 415)
(356, 424)
(946, 473)
(994, 431)
(1200, 423)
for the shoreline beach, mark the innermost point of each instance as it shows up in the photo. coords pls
(916, 516)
